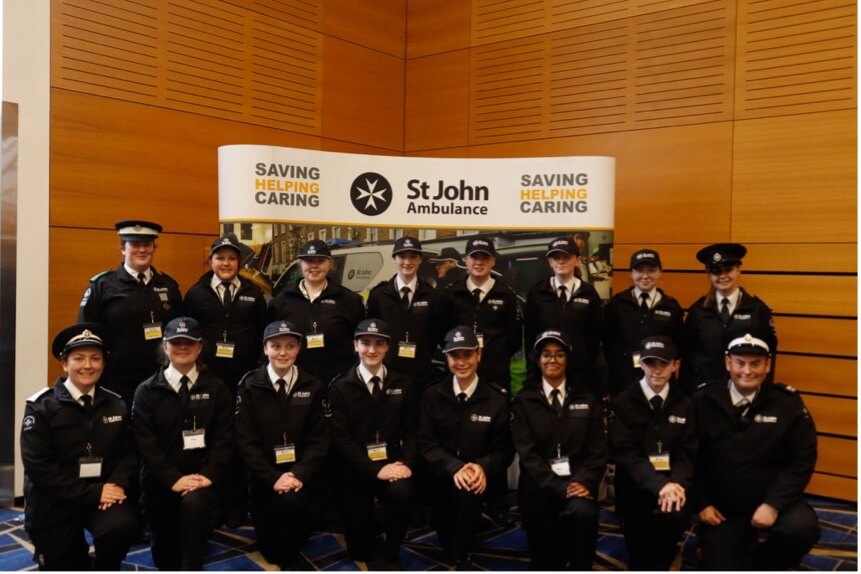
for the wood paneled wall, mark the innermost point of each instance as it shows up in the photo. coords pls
(730, 121)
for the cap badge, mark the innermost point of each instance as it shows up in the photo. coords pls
(654, 345)
(87, 334)
(716, 257)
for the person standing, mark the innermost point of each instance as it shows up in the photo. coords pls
(465, 440)
(374, 422)
(79, 458)
(755, 454)
(283, 438)
(653, 473)
(327, 314)
(182, 420)
(643, 310)
(558, 432)
(410, 309)
(135, 302)
(566, 303)
(489, 307)
(726, 306)
(449, 267)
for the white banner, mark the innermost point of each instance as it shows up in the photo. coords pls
(273, 184)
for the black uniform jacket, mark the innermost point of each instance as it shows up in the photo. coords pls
(580, 318)
(634, 432)
(335, 313)
(703, 348)
(358, 421)
(497, 318)
(740, 465)
(158, 420)
(242, 325)
(579, 434)
(451, 436)
(422, 324)
(263, 424)
(54, 437)
(117, 301)
(625, 328)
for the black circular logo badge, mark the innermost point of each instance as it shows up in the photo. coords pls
(371, 194)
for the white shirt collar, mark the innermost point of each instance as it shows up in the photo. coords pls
(571, 286)
(173, 376)
(134, 274)
(76, 393)
(548, 388)
(365, 375)
(485, 289)
(412, 284)
(469, 390)
(654, 296)
(289, 379)
(736, 397)
(215, 283)
(732, 297)
(647, 390)
(307, 294)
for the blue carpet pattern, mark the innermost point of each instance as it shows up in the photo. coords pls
(499, 548)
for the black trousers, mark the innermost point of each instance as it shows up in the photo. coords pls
(652, 537)
(181, 526)
(64, 547)
(360, 529)
(736, 545)
(455, 515)
(282, 522)
(562, 536)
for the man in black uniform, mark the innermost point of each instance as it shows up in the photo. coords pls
(182, 421)
(726, 307)
(756, 450)
(641, 311)
(327, 313)
(566, 303)
(489, 307)
(409, 306)
(134, 302)
(374, 423)
(283, 439)
(558, 430)
(653, 475)
(465, 439)
(79, 457)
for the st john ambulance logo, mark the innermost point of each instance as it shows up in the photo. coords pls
(371, 194)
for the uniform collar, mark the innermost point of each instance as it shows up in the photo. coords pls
(470, 390)
(548, 388)
(172, 376)
(134, 274)
(736, 397)
(647, 390)
(654, 296)
(485, 289)
(289, 379)
(399, 284)
(571, 285)
(215, 283)
(76, 394)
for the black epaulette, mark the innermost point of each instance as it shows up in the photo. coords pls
(498, 389)
(36, 396)
(98, 276)
(110, 392)
(704, 385)
(785, 388)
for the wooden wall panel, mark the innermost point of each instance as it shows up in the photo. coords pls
(437, 101)
(833, 486)
(795, 177)
(379, 25)
(78, 254)
(111, 160)
(835, 296)
(837, 456)
(833, 415)
(434, 27)
(822, 336)
(811, 374)
(363, 95)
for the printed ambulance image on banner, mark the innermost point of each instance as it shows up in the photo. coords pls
(266, 183)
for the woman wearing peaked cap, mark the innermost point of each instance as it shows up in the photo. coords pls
(325, 312)
(726, 306)
(183, 424)
(79, 457)
(283, 439)
(135, 302)
(558, 432)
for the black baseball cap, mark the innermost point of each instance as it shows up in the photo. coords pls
(480, 244)
(564, 245)
(553, 335)
(183, 328)
(315, 248)
(645, 257)
(403, 244)
(461, 337)
(658, 347)
(226, 241)
(279, 328)
(375, 327)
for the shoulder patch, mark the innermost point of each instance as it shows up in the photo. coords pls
(35, 397)
(98, 276)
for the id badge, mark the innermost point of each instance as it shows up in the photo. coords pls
(406, 350)
(163, 297)
(152, 331)
(315, 341)
(560, 466)
(224, 350)
(377, 451)
(285, 454)
(90, 467)
(660, 461)
(480, 338)
(636, 359)
(193, 439)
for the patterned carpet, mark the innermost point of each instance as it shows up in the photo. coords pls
(500, 549)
